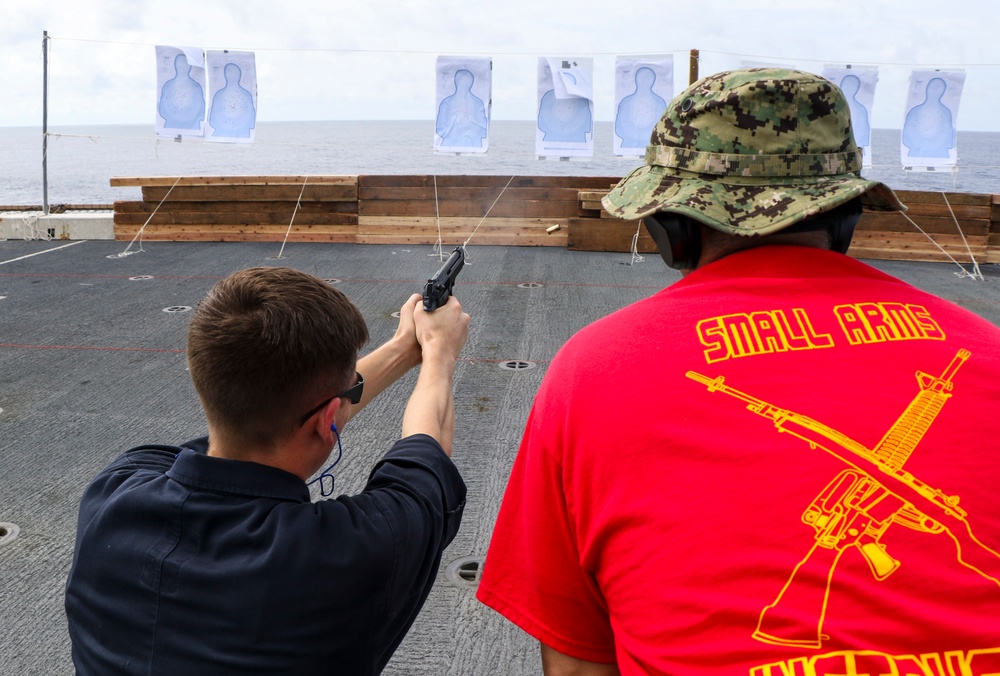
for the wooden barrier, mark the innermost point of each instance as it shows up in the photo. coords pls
(418, 209)
(519, 211)
(372, 209)
(993, 242)
(959, 223)
(240, 208)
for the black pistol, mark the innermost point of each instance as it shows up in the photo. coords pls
(439, 287)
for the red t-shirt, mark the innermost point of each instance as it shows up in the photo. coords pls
(784, 464)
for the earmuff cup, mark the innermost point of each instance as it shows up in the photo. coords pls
(678, 238)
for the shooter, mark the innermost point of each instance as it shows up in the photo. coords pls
(211, 557)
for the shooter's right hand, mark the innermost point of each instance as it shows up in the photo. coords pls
(442, 333)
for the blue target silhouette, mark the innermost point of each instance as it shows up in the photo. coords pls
(929, 130)
(567, 120)
(233, 114)
(461, 119)
(639, 112)
(851, 85)
(182, 99)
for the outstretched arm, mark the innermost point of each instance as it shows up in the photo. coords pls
(431, 408)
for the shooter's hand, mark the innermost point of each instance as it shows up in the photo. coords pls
(431, 409)
(443, 332)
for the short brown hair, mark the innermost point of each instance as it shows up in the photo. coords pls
(266, 344)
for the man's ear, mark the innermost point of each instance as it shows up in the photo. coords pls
(327, 418)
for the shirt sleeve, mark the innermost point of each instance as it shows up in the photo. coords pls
(533, 574)
(420, 494)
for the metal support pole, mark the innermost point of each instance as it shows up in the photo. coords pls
(45, 122)
(693, 67)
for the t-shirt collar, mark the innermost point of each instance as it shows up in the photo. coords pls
(198, 470)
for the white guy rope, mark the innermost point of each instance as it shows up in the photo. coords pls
(138, 235)
(305, 179)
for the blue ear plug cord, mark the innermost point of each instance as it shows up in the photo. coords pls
(325, 479)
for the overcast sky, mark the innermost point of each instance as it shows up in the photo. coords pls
(374, 59)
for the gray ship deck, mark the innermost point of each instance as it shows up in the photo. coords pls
(92, 364)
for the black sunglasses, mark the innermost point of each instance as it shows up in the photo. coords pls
(353, 393)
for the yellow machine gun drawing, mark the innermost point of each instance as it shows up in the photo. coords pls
(857, 507)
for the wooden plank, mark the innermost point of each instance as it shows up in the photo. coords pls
(471, 208)
(453, 233)
(236, 237)
(594, 195)
(470, 181)
(896, 222)
(484, 196)
(169, 217)
(264, 193)
(903, 255)
(167, 181)
(237, 228)
(57, 208)
(147, 208)
(916, 209)
(594, 234)
(953, 244)
(460, 224)
(925, 197)
(506, 239)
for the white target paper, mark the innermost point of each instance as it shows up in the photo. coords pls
(929, 135)
(180, 87)
(858, 85)
(643, 88)
(232, 84)
(565, 123)
(464, 100)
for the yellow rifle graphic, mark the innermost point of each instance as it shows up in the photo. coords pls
(858, 506)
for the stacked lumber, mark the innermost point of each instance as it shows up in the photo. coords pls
(879, 235)
(958, 223)
(523, 211)
(993, 246)
(600, 231)
(415, 209)
(240, 208)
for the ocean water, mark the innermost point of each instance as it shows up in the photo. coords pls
(81, 160)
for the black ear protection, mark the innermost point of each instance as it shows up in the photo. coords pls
(841, 222)
(678, 238)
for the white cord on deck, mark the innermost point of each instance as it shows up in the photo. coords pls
(138, 235)
(305, 179)
(976, 274)
(636, 256)
(32, 230)
(438, 249)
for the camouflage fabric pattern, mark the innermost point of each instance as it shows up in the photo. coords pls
(751, 152)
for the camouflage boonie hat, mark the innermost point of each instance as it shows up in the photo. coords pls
(750, 152)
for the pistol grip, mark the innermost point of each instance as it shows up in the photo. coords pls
(881, 564)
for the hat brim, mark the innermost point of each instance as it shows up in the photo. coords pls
(737, 205)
